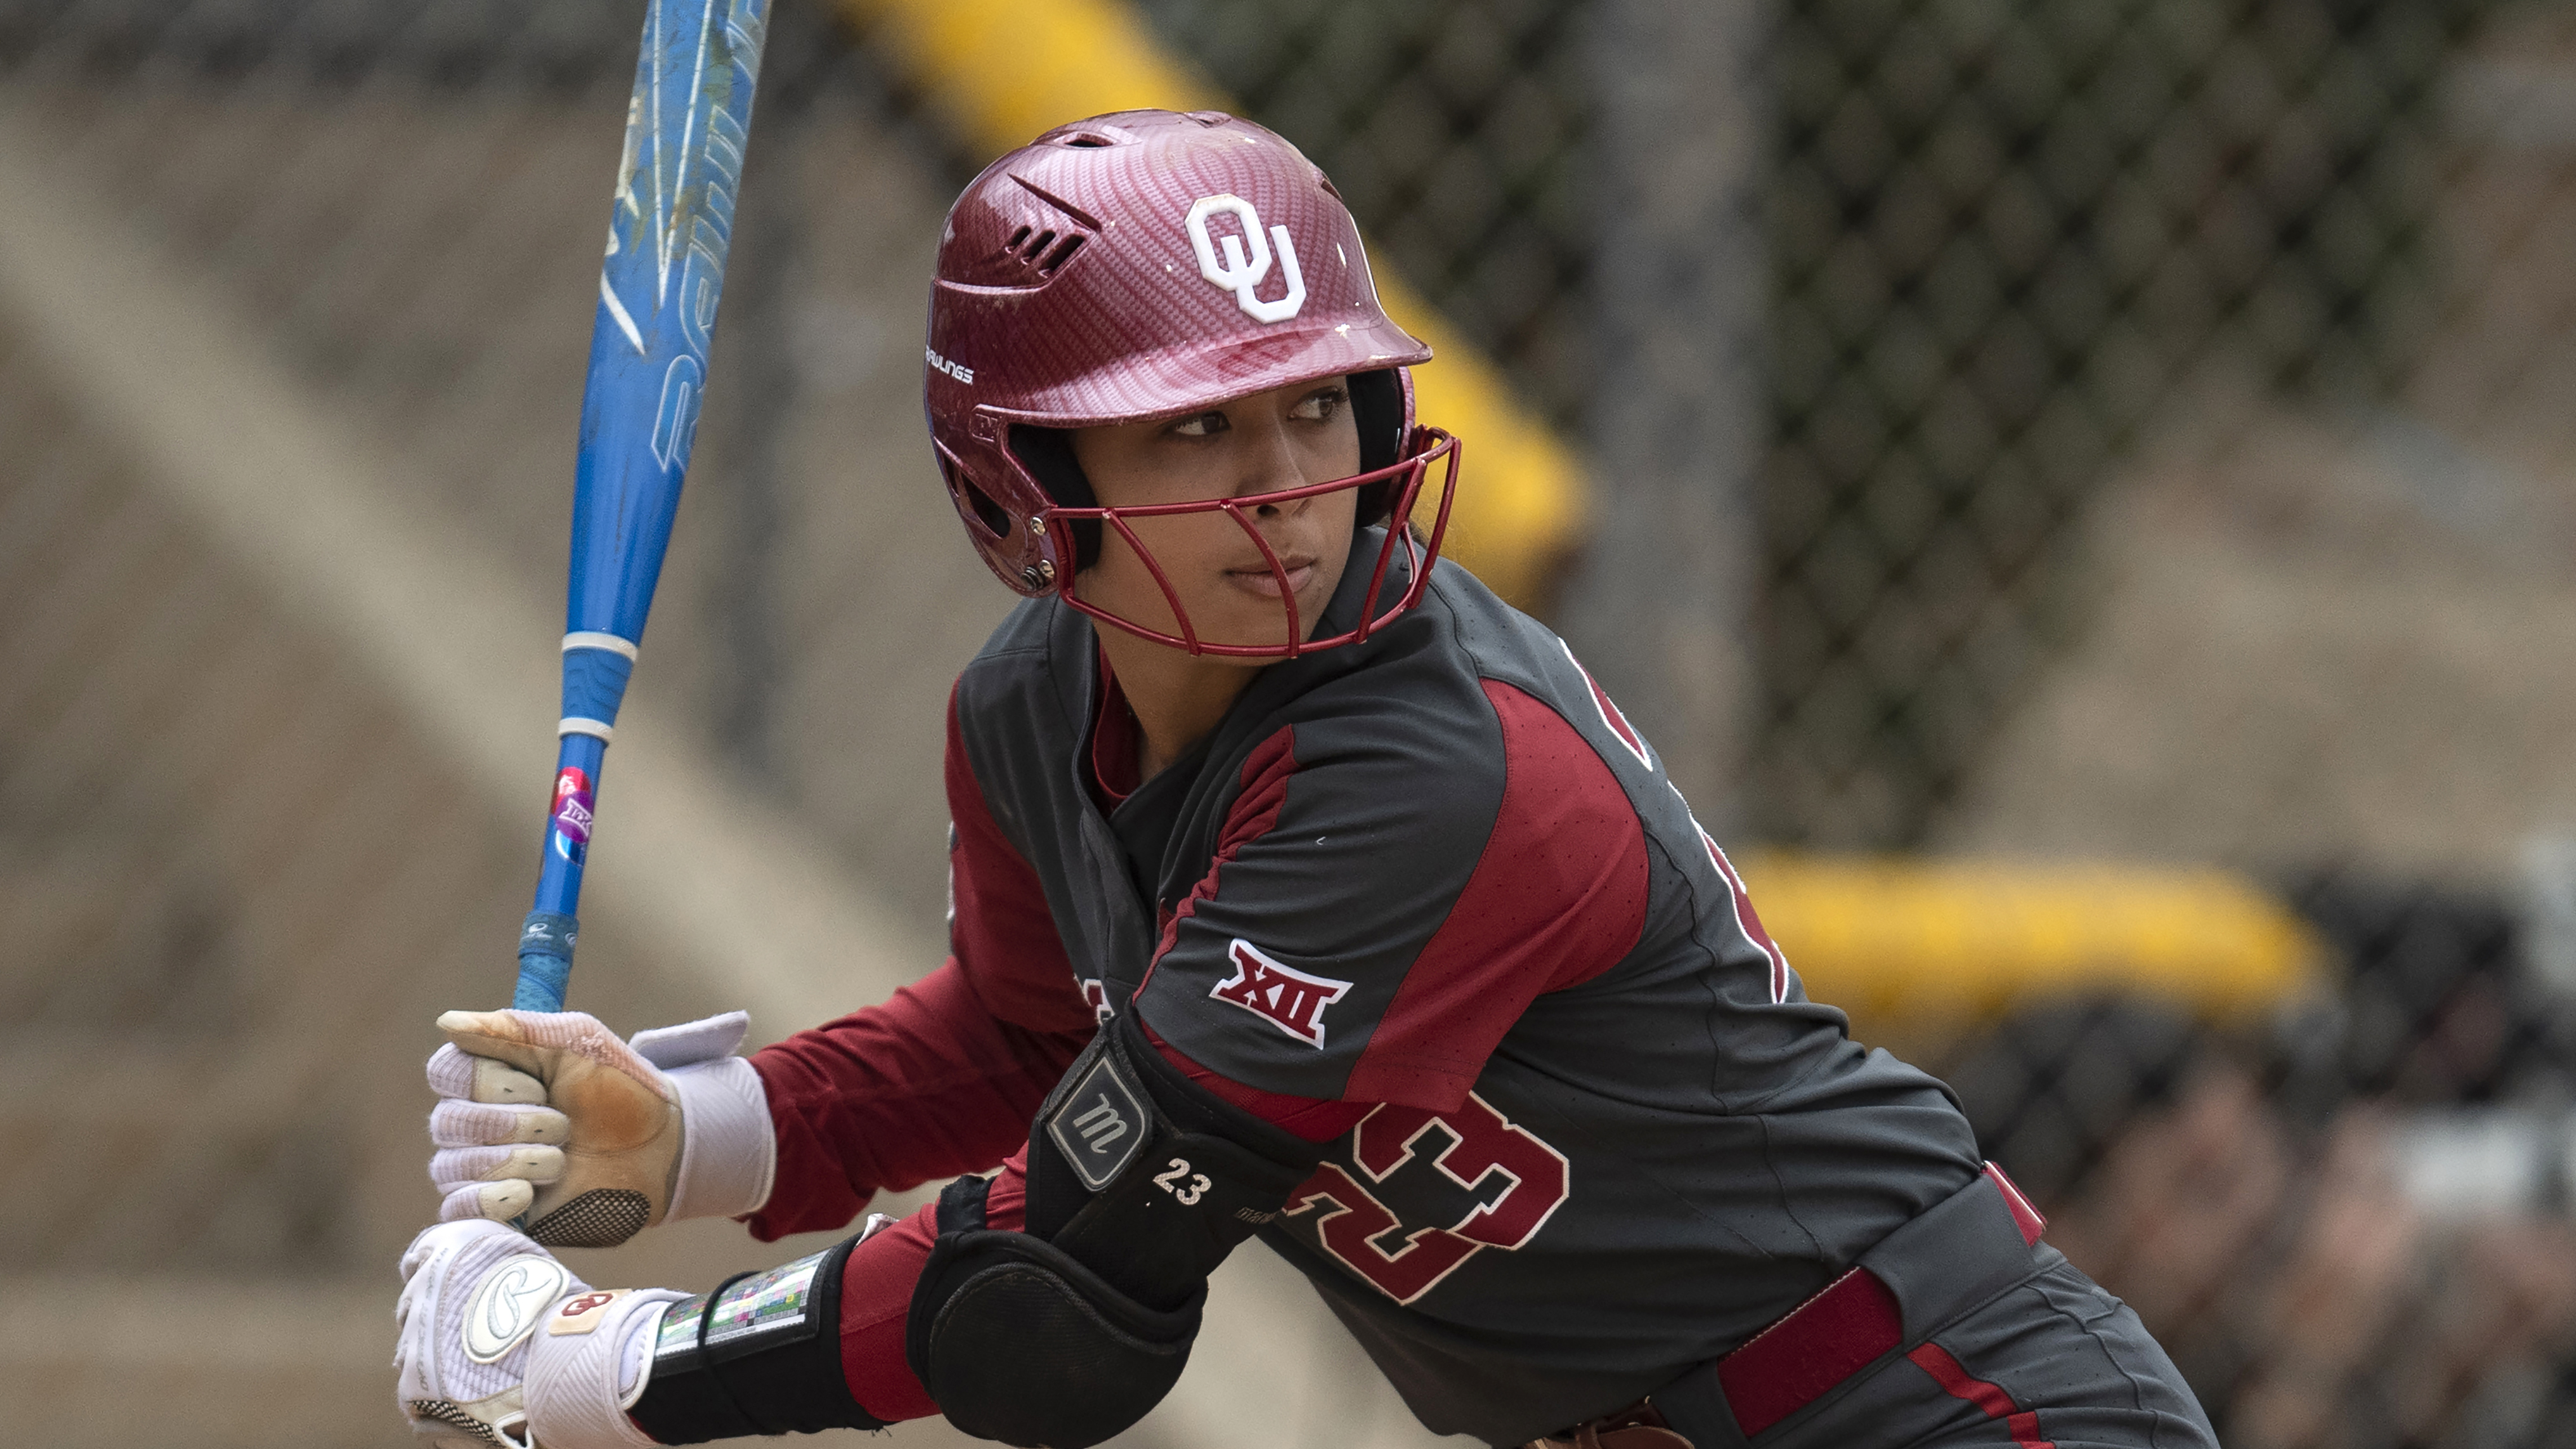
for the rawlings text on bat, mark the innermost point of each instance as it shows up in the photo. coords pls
(667, 236)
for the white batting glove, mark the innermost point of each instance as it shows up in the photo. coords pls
(498, 1346)
(547, 1116)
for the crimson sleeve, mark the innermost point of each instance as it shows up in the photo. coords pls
(944, 1077)
(929, 1085)
(876, 1296)
(999, 927)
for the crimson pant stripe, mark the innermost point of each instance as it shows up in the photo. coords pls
(1935, 1360)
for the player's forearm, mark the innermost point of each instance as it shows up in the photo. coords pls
(883, 1272)
(1148, 1268)
(929, 1085)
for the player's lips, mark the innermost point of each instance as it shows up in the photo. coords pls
(1258, 579)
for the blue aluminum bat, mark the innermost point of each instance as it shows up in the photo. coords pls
(669, 229)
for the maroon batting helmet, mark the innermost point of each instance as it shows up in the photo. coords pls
(1144, 264)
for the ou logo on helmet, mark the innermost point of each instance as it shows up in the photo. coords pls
(1238, 273)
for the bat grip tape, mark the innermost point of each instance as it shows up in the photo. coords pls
(545, 960)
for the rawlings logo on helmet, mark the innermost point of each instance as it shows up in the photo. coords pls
(1239, 274)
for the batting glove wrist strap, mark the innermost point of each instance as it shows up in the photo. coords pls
(728, 1150)
(589, 1363)
(759, 1355)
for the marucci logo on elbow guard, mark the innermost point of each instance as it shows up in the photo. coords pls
(1100, 1124)
(1284, 996)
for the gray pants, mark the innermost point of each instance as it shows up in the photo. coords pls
(2053, 1360)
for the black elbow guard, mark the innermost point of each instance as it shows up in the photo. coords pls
(1139, 1184)
(1018, 1342)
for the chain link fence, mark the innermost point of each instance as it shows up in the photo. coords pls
(2011, 244)
(2165, 457)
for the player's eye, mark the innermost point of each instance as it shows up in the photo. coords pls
(1320, 406)
(1203, 425)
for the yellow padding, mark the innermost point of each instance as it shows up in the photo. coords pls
(1001, 74)
(1898, 939)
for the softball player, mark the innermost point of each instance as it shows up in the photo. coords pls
(1303, 890)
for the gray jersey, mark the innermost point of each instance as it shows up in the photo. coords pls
(1437, 871)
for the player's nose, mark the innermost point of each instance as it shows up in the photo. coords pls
(1272, 462)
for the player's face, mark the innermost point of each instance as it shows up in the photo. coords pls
(1269, 441)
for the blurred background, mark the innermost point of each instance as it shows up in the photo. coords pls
(2082, 493)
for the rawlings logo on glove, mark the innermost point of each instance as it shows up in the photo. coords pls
(508, 1302)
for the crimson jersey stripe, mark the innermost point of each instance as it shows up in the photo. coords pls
(2025, 1217)
(1557, 896)
(1001, 931)
(1611, 718)
(1747, 919)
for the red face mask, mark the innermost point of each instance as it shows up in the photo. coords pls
(1434, 450)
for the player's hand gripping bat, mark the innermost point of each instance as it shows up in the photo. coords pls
(668, 232)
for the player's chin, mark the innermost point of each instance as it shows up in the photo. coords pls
(1254, 614)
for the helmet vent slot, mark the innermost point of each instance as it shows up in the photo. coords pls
(987, 512)
(1030, 257)
(1086, 139)
(1064, 251)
